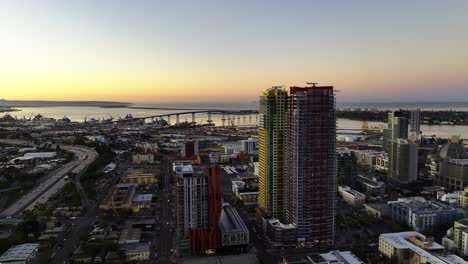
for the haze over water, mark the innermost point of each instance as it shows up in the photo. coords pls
(80, 113)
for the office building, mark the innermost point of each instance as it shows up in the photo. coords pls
(460, 235)
(198, 208)
(272, 156)
(402, 154)
(397, 128)
(189, 148)
(311, 163)
(453, 166)
(423, 215)
(346, 168)
(233, 231)
(415, 124)
(413, 247)
(403, 161)
(250, 145)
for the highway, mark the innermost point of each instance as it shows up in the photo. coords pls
(45, 190)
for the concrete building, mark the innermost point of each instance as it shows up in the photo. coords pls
(140, 177)
(367, 157)
(414, 248)
(232, 228)
(190, 148)
(460, 235)
(370, 186)
(141, 158)
(451, 199)
(198, 208)
(403, 161)
(397, 128)
(415, 124)
(118, 199)
(137, 251)
(20, 254)
(311, 163)
(346, 168)
(463, 198)
(279, 234)
(402, 154)
(250, 145)
(272, 152)
(352, 197)
(129, 236)
(332, 257)
(378, 210)
(423, 215)
(453, 166)
(382, 163)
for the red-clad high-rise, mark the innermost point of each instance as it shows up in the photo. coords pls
(205, 237)
(311, 163)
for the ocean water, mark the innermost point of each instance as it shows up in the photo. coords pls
(81, 113)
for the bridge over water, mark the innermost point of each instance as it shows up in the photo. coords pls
(226, 115)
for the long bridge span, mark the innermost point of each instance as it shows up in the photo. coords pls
(226, 115)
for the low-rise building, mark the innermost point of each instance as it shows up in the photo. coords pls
(278, 233)
(352, 197)
(20, 254)
(233, 230)
(463, 198)
(370, 186)
(423, 215)
(129, 236)
(367, 157)
(332, 257)
(414, 247)
(118, 199)
(141, 158)
(378, 210)
(141, 201)
(140, 177)
(382, 163)
(137, 251)
(449, 198)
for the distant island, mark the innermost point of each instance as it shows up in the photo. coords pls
(23, 103)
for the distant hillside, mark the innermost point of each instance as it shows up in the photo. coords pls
(20, 103)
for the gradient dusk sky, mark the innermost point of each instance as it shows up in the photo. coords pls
(197, 50)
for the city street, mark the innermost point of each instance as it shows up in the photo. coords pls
(163, 240)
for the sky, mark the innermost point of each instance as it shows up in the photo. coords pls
(230, 51)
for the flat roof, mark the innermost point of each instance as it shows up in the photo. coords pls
(232, 259)
(230, 220)
(136, 248)
(143, 197)
(346, 256)
(19, 252)
(399, 241)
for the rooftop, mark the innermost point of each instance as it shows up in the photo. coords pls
(19, 253)
(400, 241)
(343, 256)
(230, 220)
